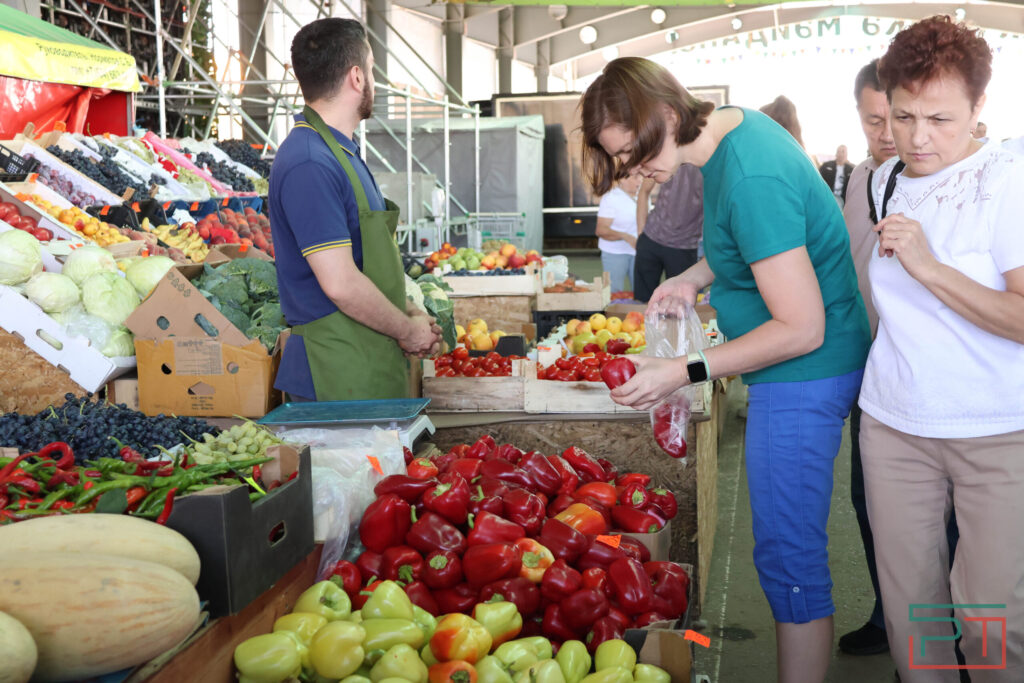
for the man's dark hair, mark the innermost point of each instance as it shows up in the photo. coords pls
(324, 51)
(867, 77)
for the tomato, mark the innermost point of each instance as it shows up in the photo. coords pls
(552, 372)
(603, 357)
(443, 361)
(540, 372)
(492, 367)
(7, 209)
(457, 365)
(476, 372)
(592, 374)
(445, 372)
(592, 362)
(492, 356)
(460, 353)
(566, 376)
(576, 365)
(563, 364)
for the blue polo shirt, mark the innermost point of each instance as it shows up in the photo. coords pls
(312, 209)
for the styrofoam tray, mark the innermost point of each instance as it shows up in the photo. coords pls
(27, 147)
(45, 220)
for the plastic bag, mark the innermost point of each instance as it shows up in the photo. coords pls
(673, 331)
(345, 470)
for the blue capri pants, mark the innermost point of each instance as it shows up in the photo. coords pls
(793, 434)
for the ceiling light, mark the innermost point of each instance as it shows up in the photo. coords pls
(588, 35)
(609, 53)
(736, 23)
(960, 13)
(671, 37)
(558, 12)
(658, 16)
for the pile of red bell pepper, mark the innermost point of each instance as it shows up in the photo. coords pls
(485, 520)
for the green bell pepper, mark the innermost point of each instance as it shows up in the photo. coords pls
(612, 653)
(616, 674)
(268, 658)
(501, 619)
(547, 671)
(648, 673)
(574, 660)
(326, 599)
(400, 661)
(303, 624)
(541, 644)
(517, 655)
(425, 620)
(490, 669)
(336, 650)
(387, 601)
(383, 634)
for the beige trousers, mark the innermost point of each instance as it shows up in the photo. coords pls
(911, 485)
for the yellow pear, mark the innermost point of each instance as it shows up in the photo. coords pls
(478, 325)
(613, 324)
(482, 342)
(598, 321)
(460, 333)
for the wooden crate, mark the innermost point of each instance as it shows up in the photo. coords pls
(552, 396)
(500, 312)
(475, 394)
(599, 296)
(493, 285)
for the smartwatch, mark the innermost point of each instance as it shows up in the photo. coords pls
(697, 368)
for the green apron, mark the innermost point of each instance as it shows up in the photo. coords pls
(348, 360)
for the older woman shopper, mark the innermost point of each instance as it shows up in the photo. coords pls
(943, 394)
(786, 293)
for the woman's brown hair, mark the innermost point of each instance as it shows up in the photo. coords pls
(783, 112)
(629, 93)
(936, 47)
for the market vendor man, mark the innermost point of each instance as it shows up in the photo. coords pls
(339, 271)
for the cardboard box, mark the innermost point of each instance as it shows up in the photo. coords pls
(596, 299)
(665, 648)
(245, 547)
(187, 370)
(659, 543)
(124, 390)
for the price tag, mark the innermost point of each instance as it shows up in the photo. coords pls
(243, 248)
(105, 210)
(613, 541)
(224, 202)
(195, 205)
(167, 205)
(375, 463)
(145, 251)
(33, 177)
(135, 206)
(698, 638)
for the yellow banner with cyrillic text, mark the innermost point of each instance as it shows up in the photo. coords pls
(52, 62)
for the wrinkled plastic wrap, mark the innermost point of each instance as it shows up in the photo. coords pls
(343, 479)
(673, 331)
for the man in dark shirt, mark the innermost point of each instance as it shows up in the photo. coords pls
(668, 238)
(837, 174)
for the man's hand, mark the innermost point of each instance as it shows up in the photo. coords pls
(420, 336)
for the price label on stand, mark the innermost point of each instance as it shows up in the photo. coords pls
(613, 541)
(375, 463)
(195, 205)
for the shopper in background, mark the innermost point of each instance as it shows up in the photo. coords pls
(786, 294)
(943, 424)
(670, 233)
(980, 132)
(616, 232)
(339, 270)
(836, 174)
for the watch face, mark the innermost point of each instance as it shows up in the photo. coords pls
(697, 372)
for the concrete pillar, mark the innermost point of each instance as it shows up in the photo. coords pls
(377, 11)
(543, 68)
(506, 49)
(250, 12)
(454, 27)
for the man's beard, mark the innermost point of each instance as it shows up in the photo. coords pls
(366, 103)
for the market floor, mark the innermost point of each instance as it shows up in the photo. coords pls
(736, 614)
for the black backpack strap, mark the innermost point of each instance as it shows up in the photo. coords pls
(890, 185)
(871, 200)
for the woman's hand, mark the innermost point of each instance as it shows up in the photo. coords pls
(676, 287)
(655, 379)
(647, 186)
(903, 238)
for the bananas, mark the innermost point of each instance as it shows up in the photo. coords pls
(184, 237)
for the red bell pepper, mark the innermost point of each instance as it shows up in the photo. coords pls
(634, 521)
(545, 477)
(554, 625)
(620, 617)
(523, 592)
(656, 512)
(536, 559)
(634, 495)
(459, 598)
(505, 471)
(443, 462)
(469, 468)
(564, 542)
(385, 523)
(482, 449)
(617, 372)
(570, 480)
(419, 594)
(633, 478)
(584, 464)
(449, 498)
(601, 491)
(598, 554)
(442, 569)
(532, 626)
(457, 671)
(596, 579)
(402, 563)
(583, 608)
(433, 532)
(598, 507)
(347, 575)
(525, 509)
(407, 454)
(611, 472)
(483, 564)
(405, 487)
(673, 568)
(648, 618)
(492, 487)
(421, 468)
(669, 591)
(560, 581)
(605, 628)
(481, 502)
(371, 566)
(634, 548)
(631, 586)
(668, 420)
(559, 503)
(362, 596)
(666, 500)
(507, 451)
(583, 518)
(487, 528)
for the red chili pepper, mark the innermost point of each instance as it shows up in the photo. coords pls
(385, 523)
(469, 468)
(420, 595)
(92, 473)
(542, 472)
(505, 471)
(584, 464)
(168, 506)
(523, 592)
(62, 477)
(487, 528)
(370, 565)
(63, 505)
(666, 500)
(347, 575)
(27, 484)
(88, 485)
(631, 586)
(570, 480)
(442, 569)
(634, 521)
(402, 563)
(525, 509)
(134, 495)
(405, 487)
(564, 542)
(460, 598)
(555, 626)
(482, 449)
(9, 468)
(257, 472)
(292, 475)
(605, 628)
(560, 581)
(67, 457)
(449, 498)
(483, 564)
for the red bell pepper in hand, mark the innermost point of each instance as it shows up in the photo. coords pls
(405, 487)
(481, 502)
(564, 542)
(505, 471)
(560, 581)
(584, 464)
(402, 563)
(420, 595)
(487, 528)
(459, 598)
(469, 468)
(442, 569)
(634, 495)
(583, 608)
(421, 468)
(634, 521)
(633, 478)
(634, 548)
(545, 477)
(348, 576)
(371, 566)
(601, 491)
(523, 592)
(449, 498)
(583, 518)
(482, 449)
(605, 628)
(598, 554)
(433, 532)
(525, 509)
(631, 586)
(570, 480)
(385, 523)
(483, 564)
(536, 559)
(559, 504)
(617, 372)
(507, 451)
(666, 500)
(554, 625)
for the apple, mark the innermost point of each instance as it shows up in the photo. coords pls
(481, 341)
(516, 261)
(584, 327)
(508, 249)
(570, 327)
(591, 348)
(501, 261)
(613, 324)
(581, 340)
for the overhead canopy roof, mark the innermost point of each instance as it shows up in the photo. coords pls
(39, 51)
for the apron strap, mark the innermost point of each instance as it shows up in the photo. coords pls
(339, 152)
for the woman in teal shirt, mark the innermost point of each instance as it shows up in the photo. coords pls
(777, 253)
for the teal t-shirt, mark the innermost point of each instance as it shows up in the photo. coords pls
(763, 196)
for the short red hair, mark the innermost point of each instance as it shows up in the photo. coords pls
(936, 47)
